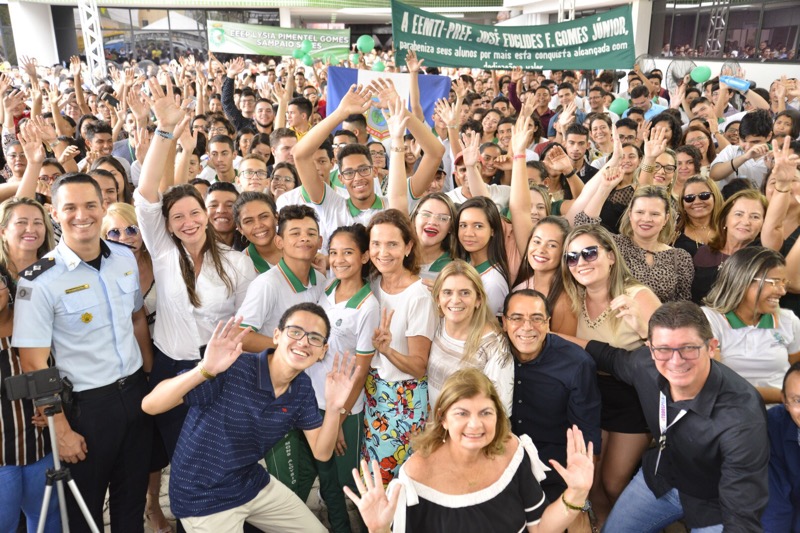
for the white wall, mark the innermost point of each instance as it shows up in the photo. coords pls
(33, 31)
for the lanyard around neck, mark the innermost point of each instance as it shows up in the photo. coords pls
(663, 426)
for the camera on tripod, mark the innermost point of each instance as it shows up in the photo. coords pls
(34, 385)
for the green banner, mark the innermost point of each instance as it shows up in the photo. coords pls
(602, 41)
(252, 39)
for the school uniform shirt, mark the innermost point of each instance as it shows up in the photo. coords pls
(757, 353)
(500, 194)
(353, 323)
(181, 328)
(495, 285)
(275, 291)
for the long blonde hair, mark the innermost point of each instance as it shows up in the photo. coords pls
(482, 316)
(666, 234)
(463, 384)
(620, 278)
(127, 213)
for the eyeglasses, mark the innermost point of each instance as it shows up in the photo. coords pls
(732, 132)
(349, 174)
(775, 282)
(627, 138)
(520, 320)
(284, 179)
(49, 178)
(427, 215)
(689, 198)
(664, 353)
(218, 131)
(697, 140)
(3, 282)
(667, 168)
(115, 233)
(589, 255)
(377, 153)
(297, 333)
(15, 156)
(254, 175)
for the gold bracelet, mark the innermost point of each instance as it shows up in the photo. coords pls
(205, 373)
(399, 149)
(648, 168)
(580, 508)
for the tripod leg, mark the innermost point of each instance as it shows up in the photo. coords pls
(62, 502)
(48, 490)
(82, 504)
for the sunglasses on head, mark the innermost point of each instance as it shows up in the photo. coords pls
(589, 254)
(689, 198)
(115, 233)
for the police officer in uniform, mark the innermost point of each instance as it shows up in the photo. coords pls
(82, 301)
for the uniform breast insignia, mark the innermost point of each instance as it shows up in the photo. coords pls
(86, 318)
(36, 269)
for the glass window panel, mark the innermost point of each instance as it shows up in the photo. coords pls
(683, 34)
(779, 30)
(743, 30)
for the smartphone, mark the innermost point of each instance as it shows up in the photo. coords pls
(110, 100)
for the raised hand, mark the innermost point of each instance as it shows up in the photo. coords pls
(44, 130)
(656, 144)
(516, 74)
(579, 473)
(339, 381)
(460, 88)
(612, 176)
(627, 308)
(412, 62)
(396, 119)
(642, 132)
(558, 160)
(280, 92)
(785, 169)
(75, 66)
(470, 148)
(356, 100)
(168, 113)
(382, 338)
(235, 67)
(5, 83)
(376, 507)
(384, 89)
(521, 134)
(28, 64)
(446, 111)
(138, 104)
(70, 152)
(31, 143)
(225, 346)
(12, 100)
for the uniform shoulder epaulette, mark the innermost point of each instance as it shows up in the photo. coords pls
(36, 269)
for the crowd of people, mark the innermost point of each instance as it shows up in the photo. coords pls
(528, 312)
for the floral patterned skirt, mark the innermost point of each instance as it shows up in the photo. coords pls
(393, 412)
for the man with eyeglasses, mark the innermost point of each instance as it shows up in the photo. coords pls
(555, 383)
(783, 509)
(709, 466)
(240, 406)
(253, 174)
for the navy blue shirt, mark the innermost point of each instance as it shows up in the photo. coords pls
(232, 422)
(554, 391)
(783, 509)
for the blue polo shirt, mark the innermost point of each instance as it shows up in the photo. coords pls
(783, 509)
(232, 422)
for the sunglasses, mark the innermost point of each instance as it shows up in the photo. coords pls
(689, 198)
(589, 255)
(114, 233)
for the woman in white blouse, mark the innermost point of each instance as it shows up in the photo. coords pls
(467, 334)
(199, 281)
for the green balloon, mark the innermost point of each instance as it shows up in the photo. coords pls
(307, 46)
(308, 60)
(378, 66)
(298, 53)
(618, 106)
(354, 58)
(701, 74)
(365, 44)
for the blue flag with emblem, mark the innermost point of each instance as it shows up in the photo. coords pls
(431, 89)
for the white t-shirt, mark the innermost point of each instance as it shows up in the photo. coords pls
(414, 316)
(181, 328)
(275, 291)
(495, 285)
(760, 354)
(353, 323)
(753, 169)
